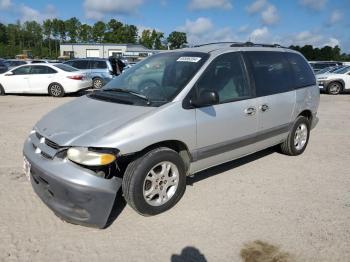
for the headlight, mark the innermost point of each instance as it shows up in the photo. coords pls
(87, 157)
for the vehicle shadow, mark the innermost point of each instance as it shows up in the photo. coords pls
(189, 254)
(213, 171)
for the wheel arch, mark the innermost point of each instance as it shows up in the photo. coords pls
(307, 113)
(176, 145)
(340, 81)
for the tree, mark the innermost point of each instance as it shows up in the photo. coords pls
(98, 31)
(146, 38)
(177, 39)
(72, 26)
(47, 29)
(114, 31)
(85, 33)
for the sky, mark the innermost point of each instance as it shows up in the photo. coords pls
(286, 22)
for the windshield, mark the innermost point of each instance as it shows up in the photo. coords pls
(342, 70)
(325, 70)
(160, 77)
(66, 68)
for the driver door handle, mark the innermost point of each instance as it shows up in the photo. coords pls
(264, 107)
(250, 111)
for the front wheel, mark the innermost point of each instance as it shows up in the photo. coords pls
(56, 90)
(154, 182)
(298, 137)
(334, 88)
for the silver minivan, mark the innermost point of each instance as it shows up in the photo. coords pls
(172, 115)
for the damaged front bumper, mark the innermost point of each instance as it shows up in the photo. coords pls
(71, 191)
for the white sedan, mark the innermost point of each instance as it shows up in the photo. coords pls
(54, 79)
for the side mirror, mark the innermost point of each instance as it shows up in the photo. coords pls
(9, 73)
(207, 98)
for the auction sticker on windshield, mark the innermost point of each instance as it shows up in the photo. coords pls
(26, 168)
(190, 59)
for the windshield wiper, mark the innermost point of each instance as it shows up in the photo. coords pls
(134, 93)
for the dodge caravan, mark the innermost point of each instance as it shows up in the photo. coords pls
(172, 115)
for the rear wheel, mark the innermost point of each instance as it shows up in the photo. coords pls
(298, 137)
(154, 182)
(56, 90)
(334, 88)
(2, 91)
(97, 83)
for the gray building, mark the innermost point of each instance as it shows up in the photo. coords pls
(132, 52)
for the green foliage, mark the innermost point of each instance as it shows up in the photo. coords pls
(325, 53)
(177, 39)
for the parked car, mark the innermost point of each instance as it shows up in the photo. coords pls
(12, 63)
(319, 65)
(336, 82)
(330, 69)
(47, 61)
(3, 66)
(53, 79)
(100, 70)
(214, 103)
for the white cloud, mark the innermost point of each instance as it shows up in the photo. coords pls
(315, 39)
(256, 6)
(4, 4)
(97, 9)
(332, 42)
(260, 35)
(30, 14)
(198, 27)
(243, 29)
(314, 4)
(208, 4)
(270, 15)
(335, 17)
(268, 12)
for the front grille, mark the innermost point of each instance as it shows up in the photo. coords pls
(51, 144)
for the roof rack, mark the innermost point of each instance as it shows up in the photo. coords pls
(216, 43)
(251, 44)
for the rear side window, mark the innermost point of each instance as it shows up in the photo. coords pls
(66, 67)
(81, 64)
(22, 70)
(40, 70)
(303, 74)
(271, 72)
(95, 64)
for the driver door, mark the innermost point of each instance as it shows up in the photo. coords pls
(227, 130)
(17, 82)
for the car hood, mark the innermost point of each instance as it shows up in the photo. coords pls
(84, 121)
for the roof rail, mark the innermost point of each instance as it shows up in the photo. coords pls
(216, 43)
(251, 44)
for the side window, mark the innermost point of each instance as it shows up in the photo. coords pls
(303, 74)
(22, 70)
(271, 72)
(81, 64)
(227, 76)
(95, 64)
(42, 70)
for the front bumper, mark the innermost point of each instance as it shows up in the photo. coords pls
(72, 192)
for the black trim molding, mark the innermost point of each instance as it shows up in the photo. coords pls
(226, 146)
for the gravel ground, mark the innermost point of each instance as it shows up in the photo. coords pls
(301, 204)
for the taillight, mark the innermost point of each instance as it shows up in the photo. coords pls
(77, 77)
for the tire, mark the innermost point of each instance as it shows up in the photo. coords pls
(2, 91)
(56, 90)
(334, 88)
(140, 184)
(97, 83)
(298, 137)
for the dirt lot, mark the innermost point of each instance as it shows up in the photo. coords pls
(301, 204)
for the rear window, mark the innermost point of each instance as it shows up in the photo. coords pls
(66, 68)
(322, 65)
(271, 72)
(302, 73)
(95, 64)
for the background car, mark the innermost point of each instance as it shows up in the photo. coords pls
(54, 79)
(12, 63)
(318, 65)
(336, 82)
(329, 69)
(3, 66)
(100, 70)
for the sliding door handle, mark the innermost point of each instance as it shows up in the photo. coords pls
(264, 107)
